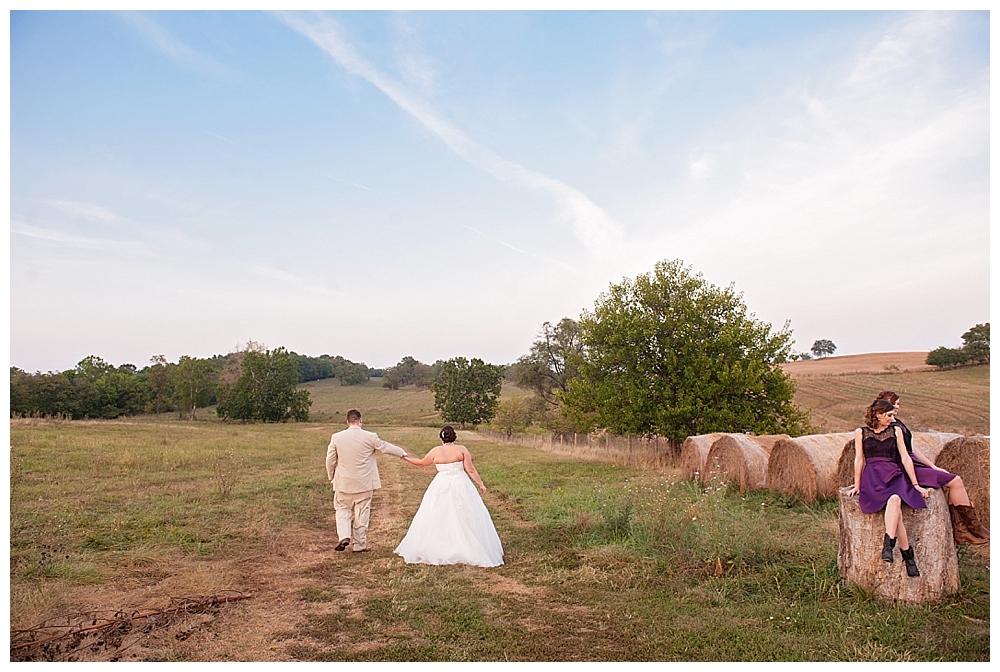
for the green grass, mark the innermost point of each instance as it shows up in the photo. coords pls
(84, 490)
(408, 406)
(378, 405)
(602, 563)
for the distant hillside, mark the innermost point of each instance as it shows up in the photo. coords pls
(947, 401)
(876, 362)
(836, 389)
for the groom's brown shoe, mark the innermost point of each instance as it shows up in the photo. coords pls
(342, 545)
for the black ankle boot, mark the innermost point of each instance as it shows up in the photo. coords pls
(887, 545)
(911, 564)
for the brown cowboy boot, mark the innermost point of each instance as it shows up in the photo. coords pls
(971, 519)
(959, 528)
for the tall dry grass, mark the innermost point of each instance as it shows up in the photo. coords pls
(627, 451)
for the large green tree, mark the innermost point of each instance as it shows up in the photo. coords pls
(159, 378)
(194, 381)
(265, 390)
(975, 349)
(467, 391)
(670, 354)
(513, 414)
(824, 347)
(548, 367)
(348, 372)
(977, 343)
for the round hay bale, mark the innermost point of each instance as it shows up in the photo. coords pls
(739, 459)
(694, 451)
(767, 441)
(806, 466)
(928, 443)
(969, 457)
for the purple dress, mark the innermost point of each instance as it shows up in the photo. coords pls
(928, 477)
(883, 475)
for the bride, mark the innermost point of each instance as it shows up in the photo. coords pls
(452, 525)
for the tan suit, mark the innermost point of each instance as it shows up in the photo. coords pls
(353, 471)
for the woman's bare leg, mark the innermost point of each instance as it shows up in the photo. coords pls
(894, 522)
(957, 494)
(904, 541)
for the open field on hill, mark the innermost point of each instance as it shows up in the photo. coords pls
(602, 562)
(874, 362)
(957, 400)
(407, 406)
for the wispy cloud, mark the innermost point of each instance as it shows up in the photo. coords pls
(592, 227)
(414, 64)
(174, 49)
(225, 139)
(517, 249)
(916, 35)
(361, 186)
(156, 250)
(272, 273)
(81, 242)
(85, 210)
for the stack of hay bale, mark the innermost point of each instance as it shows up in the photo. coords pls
(813, 467)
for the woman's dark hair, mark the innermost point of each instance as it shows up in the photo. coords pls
(448, 434)
(889, 395)
(878, 406)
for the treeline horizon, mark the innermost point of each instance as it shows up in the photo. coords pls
(95, 388)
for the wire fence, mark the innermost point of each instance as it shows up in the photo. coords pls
(643, 452)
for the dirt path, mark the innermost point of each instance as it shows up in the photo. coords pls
(298, 579)
(301, 578)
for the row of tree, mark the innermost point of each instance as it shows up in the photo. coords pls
(253, 383)
(975, 349)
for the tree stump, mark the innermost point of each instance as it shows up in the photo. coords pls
(930, 535)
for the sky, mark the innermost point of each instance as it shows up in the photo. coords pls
(438, 184)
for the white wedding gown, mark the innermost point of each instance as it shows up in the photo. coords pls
(452, 525)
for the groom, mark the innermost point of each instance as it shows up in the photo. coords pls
(350, 464)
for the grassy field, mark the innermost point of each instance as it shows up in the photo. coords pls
(408, 406)
(603, 563)
(957, 400)
(836, 395)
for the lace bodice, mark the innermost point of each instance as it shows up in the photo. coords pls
(879, 444)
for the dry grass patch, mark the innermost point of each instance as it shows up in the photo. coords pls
(955, 401)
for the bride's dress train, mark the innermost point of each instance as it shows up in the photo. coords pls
(452, 525)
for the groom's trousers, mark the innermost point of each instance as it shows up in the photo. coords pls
(356, 506)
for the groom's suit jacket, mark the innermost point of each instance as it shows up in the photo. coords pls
(350, 459)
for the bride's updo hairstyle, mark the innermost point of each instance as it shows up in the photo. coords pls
(448, 434)
(878, 406)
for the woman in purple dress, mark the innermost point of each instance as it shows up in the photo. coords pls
(965, 524)
(884, 478)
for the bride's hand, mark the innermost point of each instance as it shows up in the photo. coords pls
(482, 488)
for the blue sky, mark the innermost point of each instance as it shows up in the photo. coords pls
(438, 184)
